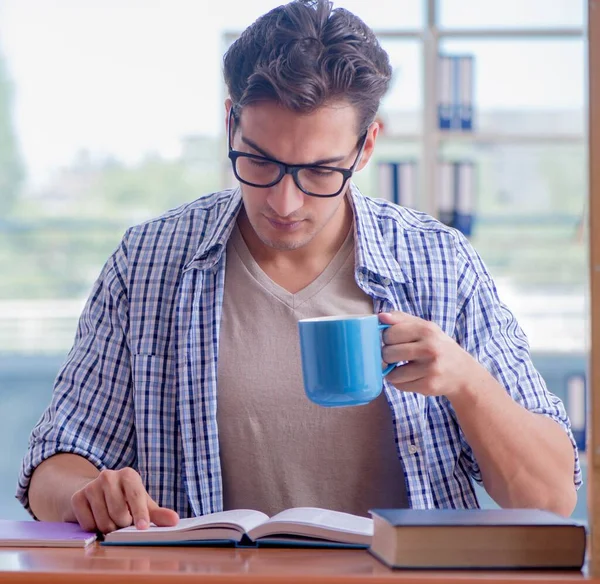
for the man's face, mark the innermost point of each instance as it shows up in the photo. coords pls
(282, 216)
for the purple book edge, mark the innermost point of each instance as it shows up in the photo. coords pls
(41, 531)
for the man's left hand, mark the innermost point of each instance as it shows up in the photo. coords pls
(436, 363)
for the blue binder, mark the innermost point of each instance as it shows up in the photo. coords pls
(456, 194)
(398, 182)
(455, 92)
(576, 407)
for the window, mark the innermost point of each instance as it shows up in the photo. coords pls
(111, 112)
(509, 14)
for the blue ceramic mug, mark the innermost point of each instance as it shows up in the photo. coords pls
(341, 359)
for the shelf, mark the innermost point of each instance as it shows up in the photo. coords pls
(424, 140)
(509, 33)
(502, 138)
(399, 34)
(486, 33)
(387, 136)
(489, 138)
(467, 33)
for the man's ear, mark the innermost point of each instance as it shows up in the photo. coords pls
(369, 148)
(228, 105)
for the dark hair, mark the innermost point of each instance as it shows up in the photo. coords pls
(305, 54)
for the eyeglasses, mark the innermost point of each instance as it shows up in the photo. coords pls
(312, 179)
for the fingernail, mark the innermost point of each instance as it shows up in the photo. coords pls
(141, 524)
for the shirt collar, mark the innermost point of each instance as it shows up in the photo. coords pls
(219, 223)
(374, 240)
(373, 255)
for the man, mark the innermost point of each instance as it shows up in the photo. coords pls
(183, 392)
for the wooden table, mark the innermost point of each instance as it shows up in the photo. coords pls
(134, 565)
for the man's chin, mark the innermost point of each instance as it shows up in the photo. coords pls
(285, 242)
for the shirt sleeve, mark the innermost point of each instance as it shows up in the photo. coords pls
(489, 332)
(91, 412)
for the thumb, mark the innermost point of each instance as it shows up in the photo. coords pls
(389, 317)
(161, 516)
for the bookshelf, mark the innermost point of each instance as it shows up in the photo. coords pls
(430, 139)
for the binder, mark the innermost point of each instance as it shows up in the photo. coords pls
(457, 194)
(445, 98)
(464, 193)
(465, 94)
(386, 179)
(446, 192)
(455, 92)
(456, 85)
(398, 182)
(575, 404)
(407, 184)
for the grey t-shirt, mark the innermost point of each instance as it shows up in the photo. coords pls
(279, 450)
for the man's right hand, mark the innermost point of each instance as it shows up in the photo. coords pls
(115, 499)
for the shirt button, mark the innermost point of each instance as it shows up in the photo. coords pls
(412, 449)
(386, 281)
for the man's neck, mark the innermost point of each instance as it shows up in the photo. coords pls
(296, 269)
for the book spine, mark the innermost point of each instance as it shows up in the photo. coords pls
(395, 183)
(446, 192)
(398, 182)
(457, 194)
(465, 113)
(464, 192)
(407, 182)
(444, 92)
(386, 180)
(455, 84)
(576, 408)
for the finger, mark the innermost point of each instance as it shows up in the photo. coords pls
(398, 317)
(402, 330)
(137, 500)
(116, 504)
(161, 516)
(83, 512)
(400, 353)
(423, 385)
(407, 374)
(101, 517)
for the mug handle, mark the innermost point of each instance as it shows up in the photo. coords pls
(391, 366)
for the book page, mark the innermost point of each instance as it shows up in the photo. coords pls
(336, 520)
(241, 519)
(311, 522)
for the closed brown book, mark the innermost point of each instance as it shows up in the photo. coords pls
(477, 539)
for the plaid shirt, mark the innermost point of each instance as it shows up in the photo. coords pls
(139, 386)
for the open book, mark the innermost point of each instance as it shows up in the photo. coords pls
(301, 526)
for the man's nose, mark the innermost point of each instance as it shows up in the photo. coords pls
(285, 197)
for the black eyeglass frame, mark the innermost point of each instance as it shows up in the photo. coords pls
(292, 169)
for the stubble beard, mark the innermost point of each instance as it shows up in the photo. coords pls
(298, 240)
(284, 244)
